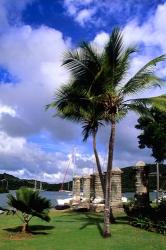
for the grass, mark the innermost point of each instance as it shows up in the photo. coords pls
(76, 231)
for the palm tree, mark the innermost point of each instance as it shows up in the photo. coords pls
(100, 78)
(74, 104)
(30, 204)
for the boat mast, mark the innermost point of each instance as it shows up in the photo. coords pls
(35, 187)
(62, 186)
(41, 188)
(74, 160)
(73, 164)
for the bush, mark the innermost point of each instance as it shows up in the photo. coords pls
(149, 218)
(161, 227)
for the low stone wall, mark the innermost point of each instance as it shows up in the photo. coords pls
(93, 194)
(92, 190)
(76, 188)
(142, 185)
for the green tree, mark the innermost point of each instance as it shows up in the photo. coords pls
(153, 133)
(98, 79)
(30, 204)
(153, 136)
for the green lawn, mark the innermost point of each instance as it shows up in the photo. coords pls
(76, 231)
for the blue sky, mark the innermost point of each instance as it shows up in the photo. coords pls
(34, 34)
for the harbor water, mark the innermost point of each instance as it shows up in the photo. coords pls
(53, 196)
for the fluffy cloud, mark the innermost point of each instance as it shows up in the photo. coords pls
(151, 35)
(10, 12)
(84, 16)
(100, 40)
(102, 13)
(28, 160)
(34, 56)
(82, 11)
(152, 32)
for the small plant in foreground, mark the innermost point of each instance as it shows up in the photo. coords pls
(27, 204)
(161, 227)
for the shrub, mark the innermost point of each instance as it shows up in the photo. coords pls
(30, 204)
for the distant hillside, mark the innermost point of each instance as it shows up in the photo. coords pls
(15, 183)
(128, 180)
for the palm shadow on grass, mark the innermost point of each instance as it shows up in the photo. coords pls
(89, 220)
(34, 229)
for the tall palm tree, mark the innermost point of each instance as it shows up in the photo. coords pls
(101, 79)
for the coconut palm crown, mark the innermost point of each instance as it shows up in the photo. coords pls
(100, 93)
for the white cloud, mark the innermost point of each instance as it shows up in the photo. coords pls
(82, 11)
(100, 40)
(151, 33)
(35, 51)
(11, 11)
(28, 160)
(84, 16)
(108, 12)
(34, 56)
(7, 110)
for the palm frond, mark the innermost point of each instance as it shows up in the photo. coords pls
(30, 202)
(83, 65)
(144, 78)
(124, 64)
(76, 65)
(90, 127)
(139, 108)
(91, 53)
(113, 52)
(158, 102)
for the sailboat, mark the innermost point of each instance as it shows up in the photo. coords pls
(40, 186)
(71, 161)
(65, 202)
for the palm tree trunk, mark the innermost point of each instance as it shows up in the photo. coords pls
(98, 164)
(25, 228)
(106, 229)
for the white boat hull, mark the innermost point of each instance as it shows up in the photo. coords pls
(62, 202)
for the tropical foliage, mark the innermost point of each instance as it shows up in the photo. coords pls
(149, 218)
(153, 133)
(27, 204)
(100, 94)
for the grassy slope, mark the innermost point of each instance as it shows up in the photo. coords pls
(69, 231)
